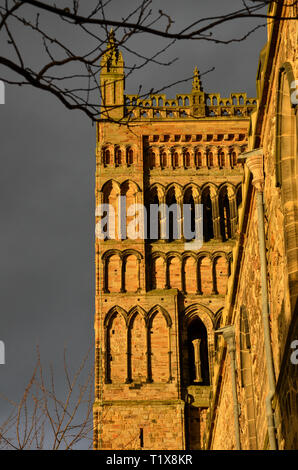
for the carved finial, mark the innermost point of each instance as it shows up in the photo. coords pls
(112, 52)
(196, 83)
(111, 41)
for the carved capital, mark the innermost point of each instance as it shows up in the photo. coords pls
(254, 163)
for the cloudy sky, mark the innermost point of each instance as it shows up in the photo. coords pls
(47, 192)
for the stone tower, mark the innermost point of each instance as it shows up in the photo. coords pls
(158, 302)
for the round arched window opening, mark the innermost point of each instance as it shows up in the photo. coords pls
(198, 353)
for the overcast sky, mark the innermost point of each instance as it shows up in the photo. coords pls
(47, 194)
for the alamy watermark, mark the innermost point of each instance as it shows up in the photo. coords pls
(294, 94)
(2, 352)
(294, 355)
(158, 221)
(2, 92)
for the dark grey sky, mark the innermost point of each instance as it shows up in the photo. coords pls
(47, 195)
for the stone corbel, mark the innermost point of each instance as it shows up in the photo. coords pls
(254, 162)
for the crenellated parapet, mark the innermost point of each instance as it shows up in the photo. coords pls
(183, 106)
(196, 104)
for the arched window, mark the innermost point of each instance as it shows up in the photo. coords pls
(153, 160)
(153, 218)
(173, 217)
(198, 353)
(234, 159)
(113, 274)
(224, 212)
(106, 157)
(214, 101)
(130, 274)
(118, 157)
(189, 214)
(210, 159)
(110, 217)
(158, 279)
(222, 159)
(234, 100)
(198, 159)
(207, 215)
(186, 102)
(116, 350)
(175, 160)
(164, 160)
(187, 159)
(129, 157)
(180, 103)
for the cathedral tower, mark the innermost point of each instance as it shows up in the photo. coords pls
(158, 301)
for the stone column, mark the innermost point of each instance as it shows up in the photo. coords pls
(233, 211)
(254, 162)
(196, 345)
(192, 158)
(112, 154)
(156, 152)
(215, 214)
(180, 218)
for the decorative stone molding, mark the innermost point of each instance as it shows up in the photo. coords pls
(254, 162)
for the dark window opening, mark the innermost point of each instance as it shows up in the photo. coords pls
(207, 216)
(224, 211)
(198, 353)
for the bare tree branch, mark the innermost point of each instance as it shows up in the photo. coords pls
(43, 420)
(72, 75)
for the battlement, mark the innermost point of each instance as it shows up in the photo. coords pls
(185, 106)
